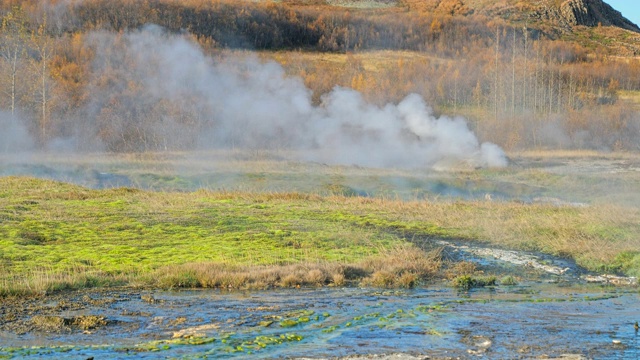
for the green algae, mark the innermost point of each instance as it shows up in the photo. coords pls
(288, 323)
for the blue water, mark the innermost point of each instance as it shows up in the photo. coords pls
(497, 323)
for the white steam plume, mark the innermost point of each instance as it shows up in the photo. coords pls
(255, 105)
(14, 136)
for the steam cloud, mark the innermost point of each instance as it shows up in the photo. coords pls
(14, 136)
(224, 104)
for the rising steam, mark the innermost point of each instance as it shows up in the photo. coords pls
(167, 88)
(14, 137)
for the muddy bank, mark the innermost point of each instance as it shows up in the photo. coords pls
(64, 312)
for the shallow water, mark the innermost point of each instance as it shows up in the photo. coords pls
(497, 323)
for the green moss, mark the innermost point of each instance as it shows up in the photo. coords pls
(288, 323)
(116, 232)
(55, 235)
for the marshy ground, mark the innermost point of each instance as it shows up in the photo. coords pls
(516, 321)
(293, 258)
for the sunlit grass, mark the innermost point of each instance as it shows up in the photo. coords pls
(55, 235)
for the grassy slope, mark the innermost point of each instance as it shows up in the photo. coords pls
(50, 230)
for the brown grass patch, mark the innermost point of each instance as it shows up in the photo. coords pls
(403, 266)
(338, 279)
(291, 280)
(316, 277)
(380, 278)
(462, 268)
(407, 280)
(405, 258)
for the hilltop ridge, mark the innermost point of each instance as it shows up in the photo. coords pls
(590, 23)
(586, 13)
(563, 13)
(527, 74)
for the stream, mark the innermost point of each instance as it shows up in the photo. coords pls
(536, 320)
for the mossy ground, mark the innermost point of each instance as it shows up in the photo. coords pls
(56, 235)
(51, 232)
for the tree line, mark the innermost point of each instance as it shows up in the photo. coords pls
(519, 87)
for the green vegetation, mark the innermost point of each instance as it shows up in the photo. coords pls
(227, 344)
(56, 236)
(508, 281)
(466, 282)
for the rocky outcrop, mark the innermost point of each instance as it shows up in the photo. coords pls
(594, 13)
(582, 12)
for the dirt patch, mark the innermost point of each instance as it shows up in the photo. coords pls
(49, 323)
(59, 313)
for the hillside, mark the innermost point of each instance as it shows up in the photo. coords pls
(525, 74)
(590, 23)
(562, 13)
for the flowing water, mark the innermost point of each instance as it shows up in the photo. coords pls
(506, 322)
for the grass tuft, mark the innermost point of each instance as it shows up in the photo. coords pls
(466, 282)
(508, 281)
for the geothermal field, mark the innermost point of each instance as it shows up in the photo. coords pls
(238, 253)
(318, 180)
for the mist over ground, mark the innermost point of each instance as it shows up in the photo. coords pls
(164, 93)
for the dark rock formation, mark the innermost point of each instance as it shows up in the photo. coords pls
(586, 13)
(594, 13)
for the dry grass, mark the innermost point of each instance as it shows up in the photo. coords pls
(363, 4)
(338, 279)
(373, 61)
(592, 235)
(462, 268)
(44, 281)
(554, 154)
(631, 96)
(401, 265)
(404, 266)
